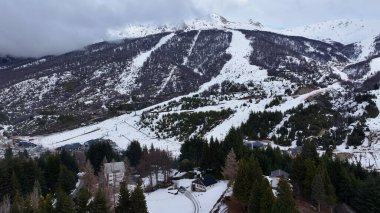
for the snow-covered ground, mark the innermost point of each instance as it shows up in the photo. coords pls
(345, 31)
(238, 67)
(212, 21)
(163, 201)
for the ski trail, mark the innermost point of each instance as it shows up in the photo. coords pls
(238, 67)
(128, 77)
(191, 48)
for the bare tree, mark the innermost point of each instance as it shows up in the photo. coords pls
(89, 178)
(35, 195)
(229, 170)
(145, 168)
(5, 206)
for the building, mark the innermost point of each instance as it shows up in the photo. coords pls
(71, 147)
(279, 173)
(201, 184)
(114, 173)
(25, 144)
(294, 152)
(252, 145)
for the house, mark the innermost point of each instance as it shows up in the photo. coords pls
(294, 152)
(201, 184)
(25, 144)
(279, 173)
(114, 173)
(254, 145)
(71, 147)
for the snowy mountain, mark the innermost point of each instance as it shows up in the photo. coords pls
(345, 31)
(212, 72)
(212, 21)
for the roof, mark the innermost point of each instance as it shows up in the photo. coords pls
(72, 146)
(254, 144)
(26, 144)
(114, 167)
(208, 180)
(279, 173)
(295, 150)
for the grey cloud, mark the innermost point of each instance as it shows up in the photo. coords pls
(40, 27)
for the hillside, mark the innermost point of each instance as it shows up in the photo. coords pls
(162, 86)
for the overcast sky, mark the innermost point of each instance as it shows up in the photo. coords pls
(40, 27)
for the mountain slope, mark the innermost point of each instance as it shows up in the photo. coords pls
(198, 80)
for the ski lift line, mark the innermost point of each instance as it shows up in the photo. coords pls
(86, 133)
(126, 138)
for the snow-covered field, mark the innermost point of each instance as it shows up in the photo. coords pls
(163, 201)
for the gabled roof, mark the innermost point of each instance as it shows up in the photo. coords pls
(208, 180)
(279, 173)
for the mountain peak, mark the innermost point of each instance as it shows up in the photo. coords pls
(211, 21)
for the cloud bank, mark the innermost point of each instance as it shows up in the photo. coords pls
(42, 27)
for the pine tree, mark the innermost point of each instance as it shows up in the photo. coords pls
(229, 171)
(249, 171)
(285, 202)
(367, 197)
(124, 202)
(267, 198)
(17, 204)
(64, 203)
(15, 185)
(134, 153)
(318, 191)
(99, 205)
(138, 200)
(310, 173)
(254, 199)
(66, 179)
(82, 200)
(45, 204)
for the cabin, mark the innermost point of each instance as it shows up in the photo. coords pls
(201, 184)
(71, 147)
(279, 173)
(25, 144)
(114, 173)
(252, 145)
(294, 152)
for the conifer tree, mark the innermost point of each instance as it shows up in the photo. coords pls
(254, 199)
(249, 171)
(267, 198)
(45, 204)
(66, 179)
(82, 200)
(99, 205)
(285, 202)
(134, 153)
(310, 172)
(15, 185)
(124, 202)
(138, 200)
(17, 204)
(64, 203)
(229, 171)
(318, 191)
